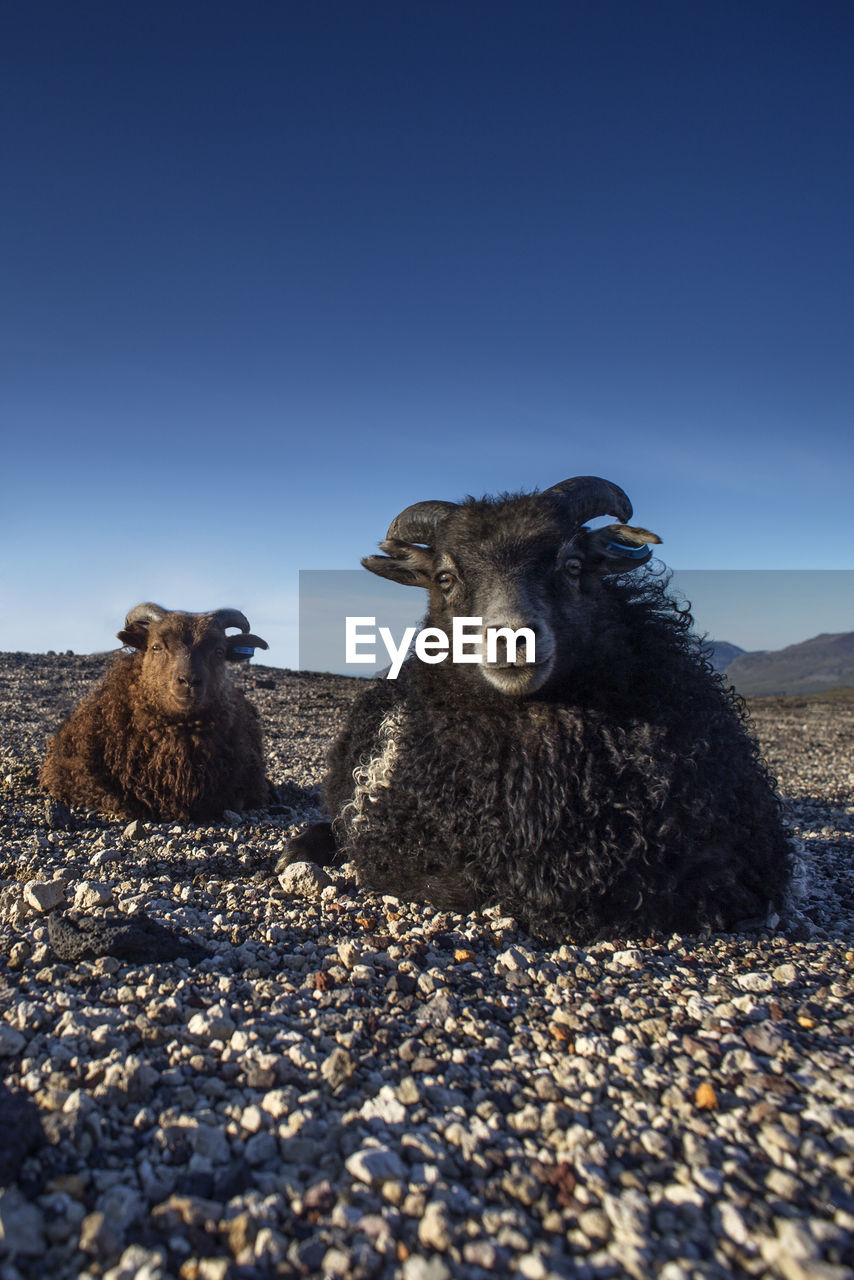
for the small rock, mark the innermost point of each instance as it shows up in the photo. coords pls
(137, 1263)
(376, 1165)
(628, 959)
(705, 1097)
(732, 1223)
(434, 1229)
(418, 1268)
(101, 856)
(785, 974)
(629, 1215)
(765, 1038)
(135, 830)
(304, 880)
(57, 815)
(210, 1141)
(20, 1126)
(44, 895)
(386, 1106)
(133, 938)
(595, 1224)
(337, 1068)
(11, 1041)
(98, 1236)
(21, 1226)
(260, 1148)
(515, 959)
(91, 894)
(756, 982)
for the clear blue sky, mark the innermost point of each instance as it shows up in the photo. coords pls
(272, 271)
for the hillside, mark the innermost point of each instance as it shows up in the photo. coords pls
(813, 666)
(724, 653)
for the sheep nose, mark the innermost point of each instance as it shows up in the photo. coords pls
(503, 650)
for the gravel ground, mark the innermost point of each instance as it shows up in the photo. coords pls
(251, 1079)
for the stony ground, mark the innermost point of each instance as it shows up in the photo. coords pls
(345, 1086)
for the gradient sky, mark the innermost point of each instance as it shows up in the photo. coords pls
(272, 271)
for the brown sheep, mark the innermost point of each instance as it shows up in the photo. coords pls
(166, 734)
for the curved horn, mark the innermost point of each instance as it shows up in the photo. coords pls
(418, 522)
(145, 613)
(585, 497)
(230, 618)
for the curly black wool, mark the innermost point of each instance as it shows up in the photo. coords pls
(626, 796)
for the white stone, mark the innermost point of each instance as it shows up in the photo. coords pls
(304, 880)
(210, 1025)
(91, 894)
(252, 1119)
(137, 1263)
(760, 982)
(44, 895)
(515, 959)
(277, 1103)
(434, 1229)
(385, 1106)
(418, 1268)
(349, 953)
(376, 1165)
(104, 855)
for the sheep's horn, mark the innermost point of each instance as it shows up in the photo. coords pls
(145, 613)
(230, 618)
(585, 497)
(418, 522)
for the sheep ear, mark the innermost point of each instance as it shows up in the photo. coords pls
(135, 636)
(619, 548)
(404, 562)
(241, 648)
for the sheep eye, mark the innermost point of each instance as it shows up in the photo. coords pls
(445, 580)
(220, 653)
(572, 567)
(156, 648)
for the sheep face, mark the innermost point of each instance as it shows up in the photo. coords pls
(182, 660)
(520, 566)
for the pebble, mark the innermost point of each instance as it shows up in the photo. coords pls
(304, 880)
(375, 1165)
(44, 895)
(435, 1228)
(761, 982)
(91, 894)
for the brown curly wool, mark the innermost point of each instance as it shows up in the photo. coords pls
(166, 734)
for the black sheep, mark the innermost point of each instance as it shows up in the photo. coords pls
(608, 787)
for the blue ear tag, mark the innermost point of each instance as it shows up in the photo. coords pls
(248, 653)
(629, 553)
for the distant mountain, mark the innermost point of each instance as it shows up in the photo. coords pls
(825, 662)
(723, 653)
